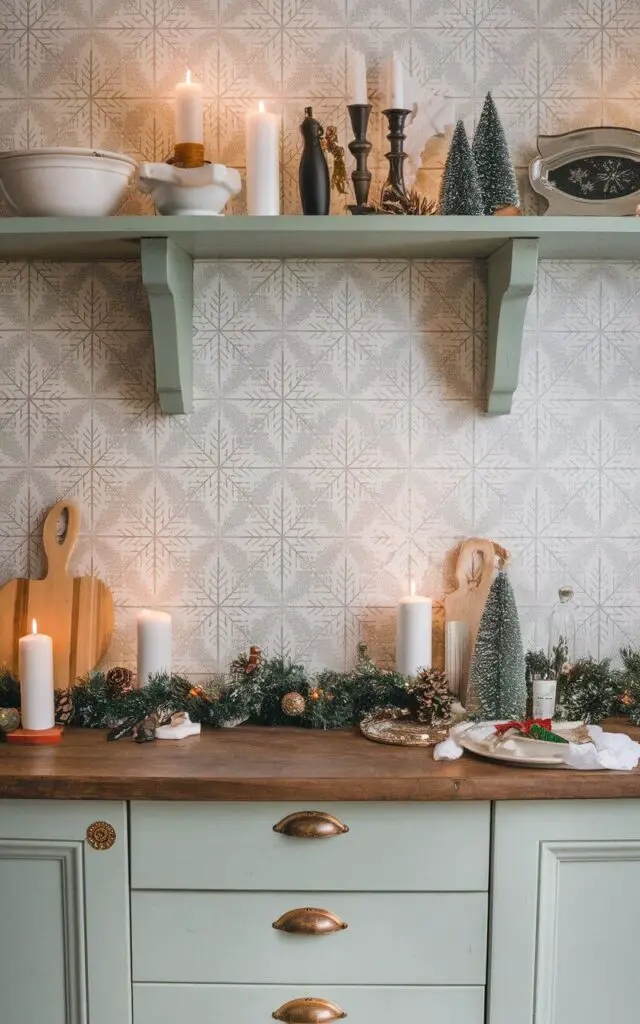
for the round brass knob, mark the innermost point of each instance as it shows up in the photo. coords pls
(101, 835)
(308, 1011)
(309, 921)
(310, 825)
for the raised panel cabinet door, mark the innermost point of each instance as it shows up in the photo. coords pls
(564, 912)
(64, 921)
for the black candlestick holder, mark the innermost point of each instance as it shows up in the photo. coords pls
(396, 156)
(360, 147)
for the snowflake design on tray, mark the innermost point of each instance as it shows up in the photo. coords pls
(615, 177)
(580, 176)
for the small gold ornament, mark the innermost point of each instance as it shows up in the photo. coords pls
(626, 699)
(101, 835)
(9, 719)
(293, 704)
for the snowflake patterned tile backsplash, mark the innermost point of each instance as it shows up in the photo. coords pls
(337, 449)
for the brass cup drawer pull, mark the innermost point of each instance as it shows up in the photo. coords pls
(309, 921)
(308, 1011)
(310, 825)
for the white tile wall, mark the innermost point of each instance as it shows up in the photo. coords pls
(338, 445)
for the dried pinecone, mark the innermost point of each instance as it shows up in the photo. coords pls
(119, 681)
(409, 204)
(63, 707)
(428, 698)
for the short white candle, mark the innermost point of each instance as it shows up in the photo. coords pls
(189, 111)
(413, 635)
(263, 162)
(35, 668)
(396, 84)
(357, 78)
(154, 644)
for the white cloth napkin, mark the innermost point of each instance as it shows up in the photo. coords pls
(613, 750)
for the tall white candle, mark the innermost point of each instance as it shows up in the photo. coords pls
(263, 162)
(35, 668)
(413, 635)
(357, 78)
(395, 98)
(154, 644)
(189, 111)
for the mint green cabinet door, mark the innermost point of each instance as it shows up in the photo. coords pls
(64, 925)
(565, 912)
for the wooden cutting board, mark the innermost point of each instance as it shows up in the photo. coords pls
(474, 574)
(75, 611)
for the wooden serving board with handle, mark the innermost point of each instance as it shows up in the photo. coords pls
(75, 611)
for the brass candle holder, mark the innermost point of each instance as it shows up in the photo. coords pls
(188, 154)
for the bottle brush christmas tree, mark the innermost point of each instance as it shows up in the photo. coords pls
(460, 189)
(497, 687)
(496, 175)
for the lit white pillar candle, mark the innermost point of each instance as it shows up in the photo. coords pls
(395, 98)
(154, 644)
(413, 635)
(357, 78)
(263, 162)
(35, 668)
(189, 111)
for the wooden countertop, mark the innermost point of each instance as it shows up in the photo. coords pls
(255, 763)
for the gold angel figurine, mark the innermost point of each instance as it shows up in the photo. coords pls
(330, 143)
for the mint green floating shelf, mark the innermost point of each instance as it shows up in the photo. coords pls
(167, 247)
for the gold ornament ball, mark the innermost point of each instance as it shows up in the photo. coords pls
(9, 719)
(293, 704)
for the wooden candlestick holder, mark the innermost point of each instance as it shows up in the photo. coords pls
(396, 155)
(360, 147)
(188, 154)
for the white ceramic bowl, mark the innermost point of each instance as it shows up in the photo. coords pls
(65, 182)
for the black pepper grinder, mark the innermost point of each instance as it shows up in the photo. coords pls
(315, 194)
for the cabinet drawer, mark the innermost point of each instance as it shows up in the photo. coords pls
(394, 846)
(391, 938)
(254, 1004)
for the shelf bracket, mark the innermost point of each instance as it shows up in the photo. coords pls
(511, 276)
(167, 276)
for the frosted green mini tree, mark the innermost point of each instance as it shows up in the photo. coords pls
(460, 189)
(497, 687)
(496, 175)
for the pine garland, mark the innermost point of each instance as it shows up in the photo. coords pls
(255, 693)
(252, 692)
